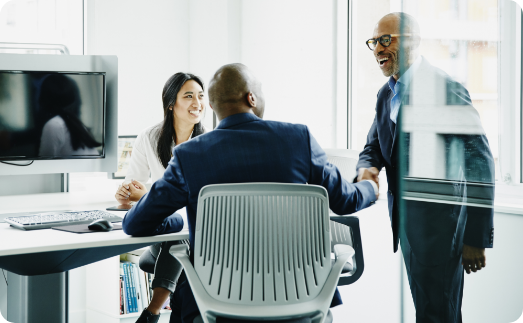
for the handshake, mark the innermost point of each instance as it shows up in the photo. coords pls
(371, 174)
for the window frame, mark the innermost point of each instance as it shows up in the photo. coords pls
(510, 97)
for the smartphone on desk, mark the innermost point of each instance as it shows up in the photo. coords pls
(121, 207)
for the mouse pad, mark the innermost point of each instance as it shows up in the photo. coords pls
(82, 228)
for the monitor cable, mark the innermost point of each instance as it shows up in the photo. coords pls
(3, 273)
(8, 163)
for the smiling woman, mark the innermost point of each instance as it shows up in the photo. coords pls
(183, 107)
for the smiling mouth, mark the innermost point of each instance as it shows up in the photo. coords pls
(383, 61)
(195, 113)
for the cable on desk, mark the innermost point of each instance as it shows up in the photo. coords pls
(3, 273)
(8, 163)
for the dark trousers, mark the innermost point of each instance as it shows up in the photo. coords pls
(158, 261)
(437, 291)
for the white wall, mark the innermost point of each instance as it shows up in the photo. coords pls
(151, 42)
(290, 45)
(375, 297)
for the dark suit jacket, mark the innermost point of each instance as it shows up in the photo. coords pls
(435, 230)
(243, 148)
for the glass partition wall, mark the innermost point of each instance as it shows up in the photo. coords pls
(457, 101)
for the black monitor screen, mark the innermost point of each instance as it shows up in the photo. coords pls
(51, 115)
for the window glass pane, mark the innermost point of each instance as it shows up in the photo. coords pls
(42, 22)
(459, 37)
(366, 77)
(450, 96)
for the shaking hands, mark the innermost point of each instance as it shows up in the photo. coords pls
(371, 174)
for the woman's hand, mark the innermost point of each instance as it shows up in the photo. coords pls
(137, 190)
(123, 193)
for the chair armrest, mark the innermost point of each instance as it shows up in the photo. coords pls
(180, 253)
(354, 223)
(344, 250)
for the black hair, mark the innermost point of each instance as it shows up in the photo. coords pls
(59, 95)
(167, 133)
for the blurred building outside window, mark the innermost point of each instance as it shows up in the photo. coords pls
(459, 36)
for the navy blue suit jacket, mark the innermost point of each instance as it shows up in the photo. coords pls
(243, 148)
(435, 230)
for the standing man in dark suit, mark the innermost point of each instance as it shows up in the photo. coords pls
(438, 240)
(243, 148)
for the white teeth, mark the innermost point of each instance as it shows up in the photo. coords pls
(383, 59)
(196, 113)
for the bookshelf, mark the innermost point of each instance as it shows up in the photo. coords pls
(103, 294)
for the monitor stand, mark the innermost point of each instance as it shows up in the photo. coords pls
(37, 299)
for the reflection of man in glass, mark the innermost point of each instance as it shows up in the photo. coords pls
(439, 238)
(64, 134)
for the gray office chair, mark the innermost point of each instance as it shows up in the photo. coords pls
(262, 252)
(345, 160)
(346, 229)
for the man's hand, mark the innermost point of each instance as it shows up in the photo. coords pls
(473, 259)
(137, 190)
(371, 174)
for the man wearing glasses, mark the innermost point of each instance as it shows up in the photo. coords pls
(438, 240)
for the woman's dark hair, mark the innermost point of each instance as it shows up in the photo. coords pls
(167, 133)
(59, 95)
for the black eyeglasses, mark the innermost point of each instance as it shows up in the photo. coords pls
(384, 40)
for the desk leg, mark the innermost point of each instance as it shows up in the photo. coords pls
(37, 299)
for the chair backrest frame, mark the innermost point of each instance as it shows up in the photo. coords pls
(262, 244)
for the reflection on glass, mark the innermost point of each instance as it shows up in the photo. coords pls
(51, 115)
(447, 168)
(63, 134)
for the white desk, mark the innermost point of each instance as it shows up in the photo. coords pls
(34, 246)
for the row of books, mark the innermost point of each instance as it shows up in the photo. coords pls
(135, 285)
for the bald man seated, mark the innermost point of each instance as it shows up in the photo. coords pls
(243, 148)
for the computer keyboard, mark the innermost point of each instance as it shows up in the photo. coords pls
(46, 220)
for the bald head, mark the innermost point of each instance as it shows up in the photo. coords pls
(399, 20)
(234, 89)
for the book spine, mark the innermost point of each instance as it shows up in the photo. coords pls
(133, 287)
(127, 304)
(121, 297)
(129, 287)
(137, 288)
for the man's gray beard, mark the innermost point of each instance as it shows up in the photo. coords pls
(395, 66)
(393, 70)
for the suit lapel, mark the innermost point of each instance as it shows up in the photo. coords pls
(392, 125)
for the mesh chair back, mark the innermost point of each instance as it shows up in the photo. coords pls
(345, 160)
(262, 243)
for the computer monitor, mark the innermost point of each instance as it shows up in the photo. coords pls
(58, 113)
(51, 115)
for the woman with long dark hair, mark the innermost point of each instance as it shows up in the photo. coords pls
(183, 107)
(63, 134)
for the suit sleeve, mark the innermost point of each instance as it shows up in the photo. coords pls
(478, 167)
(155, 212)
(344, 197)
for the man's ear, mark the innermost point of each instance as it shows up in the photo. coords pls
(251, 99)
(416, 40)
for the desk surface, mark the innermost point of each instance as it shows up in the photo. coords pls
(16, 242)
